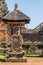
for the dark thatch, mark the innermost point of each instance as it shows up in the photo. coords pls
(16, 15)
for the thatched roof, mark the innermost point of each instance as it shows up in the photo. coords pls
(16, 15)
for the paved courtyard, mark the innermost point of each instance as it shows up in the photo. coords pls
(30, 61)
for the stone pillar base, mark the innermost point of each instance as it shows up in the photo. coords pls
(14, 59)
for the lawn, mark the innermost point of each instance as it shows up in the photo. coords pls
(33, 55)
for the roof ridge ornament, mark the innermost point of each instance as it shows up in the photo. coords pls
(16, 6)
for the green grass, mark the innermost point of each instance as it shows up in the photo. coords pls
(27, 55)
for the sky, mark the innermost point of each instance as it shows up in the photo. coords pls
(32, 8)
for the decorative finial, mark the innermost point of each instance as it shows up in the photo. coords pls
(16, 6)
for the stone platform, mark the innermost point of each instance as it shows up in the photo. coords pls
(14, 59)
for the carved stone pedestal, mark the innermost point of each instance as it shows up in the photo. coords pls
(14, 59)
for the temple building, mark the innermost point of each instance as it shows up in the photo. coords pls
(33, 37)
(10, 32)
(15, 20)
(13, 34)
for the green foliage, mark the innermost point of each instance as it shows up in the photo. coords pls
(30, 53)
(29, 50)
(2, 55)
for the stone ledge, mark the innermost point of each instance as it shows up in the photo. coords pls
(16, 59)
